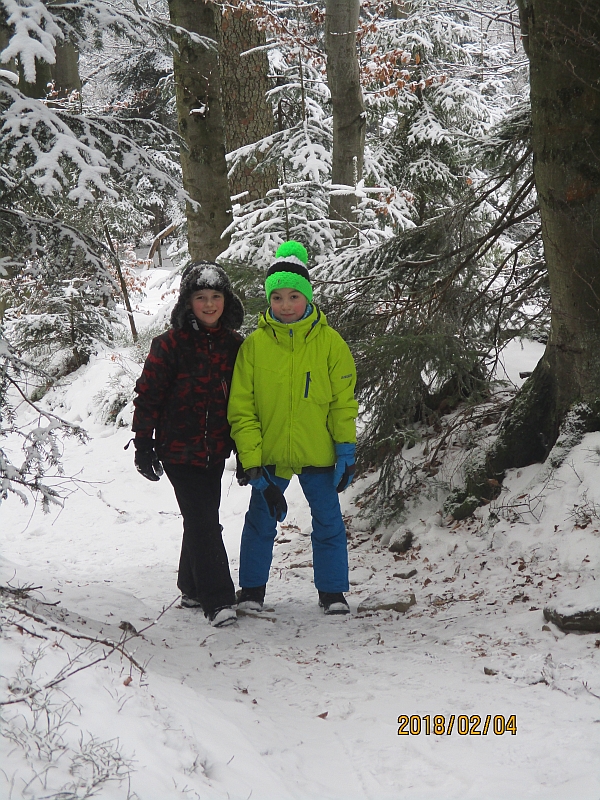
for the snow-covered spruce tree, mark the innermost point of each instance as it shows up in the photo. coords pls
(37, 444)
(301, 152)
(427, 311)
(429, 92)
(432, 90)
(56, 160)
(300, 148)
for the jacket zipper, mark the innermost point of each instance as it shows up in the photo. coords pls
(307, 384)
(291, 397)
(210, 347)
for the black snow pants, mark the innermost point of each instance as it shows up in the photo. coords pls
(203, 565)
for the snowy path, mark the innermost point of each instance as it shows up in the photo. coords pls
(236, 712)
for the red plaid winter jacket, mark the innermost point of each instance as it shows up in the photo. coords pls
(182, 394)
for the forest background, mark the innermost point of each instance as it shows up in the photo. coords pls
(393, 140)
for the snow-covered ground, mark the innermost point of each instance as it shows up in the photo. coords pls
(292, 704)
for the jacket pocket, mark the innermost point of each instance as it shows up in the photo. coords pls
(317, 387)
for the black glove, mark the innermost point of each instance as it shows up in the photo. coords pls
(241, 475)
(276, 502)
(260, 479)
(146, 460)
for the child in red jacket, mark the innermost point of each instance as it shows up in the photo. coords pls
(180, 420)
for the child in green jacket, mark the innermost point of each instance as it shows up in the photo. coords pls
(292, 411)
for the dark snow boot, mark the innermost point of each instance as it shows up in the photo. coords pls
(251, 599)
(190, 602)
(221, 617)
(333, 603)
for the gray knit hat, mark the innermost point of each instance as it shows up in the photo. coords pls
(206, 275)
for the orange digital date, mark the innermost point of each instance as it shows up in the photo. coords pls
(463, 724)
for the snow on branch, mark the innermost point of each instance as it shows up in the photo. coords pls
(61, 149)
(39, 442)
(35, 35)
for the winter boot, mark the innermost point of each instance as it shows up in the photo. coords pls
(221, 617)
(251, 599)
(333, 603)
(190, 602)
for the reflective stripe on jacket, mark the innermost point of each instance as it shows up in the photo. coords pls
(292, 395)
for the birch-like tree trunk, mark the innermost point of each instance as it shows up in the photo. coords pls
(562, 39)
(248, 114)
(343, 77)
(201, 125)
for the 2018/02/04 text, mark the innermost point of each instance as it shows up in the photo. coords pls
(462, 724)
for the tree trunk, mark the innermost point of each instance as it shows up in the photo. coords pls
(43, 78)
(343, 77)
(563, 43)
(201, 125)
(65, 72)
(248, 114)
(5, 34)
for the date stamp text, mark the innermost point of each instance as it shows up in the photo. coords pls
(462, 724)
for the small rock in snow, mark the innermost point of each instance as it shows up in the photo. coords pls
(386, 601)
(410, 574)
(401, 541)
(576, 610)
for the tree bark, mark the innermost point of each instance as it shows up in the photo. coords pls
(201, 125)
(65, 72)
(343, 77)
(43, 78)
(5, 34)
(248, 113)
(563, 44)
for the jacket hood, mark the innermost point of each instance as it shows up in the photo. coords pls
(207, 275)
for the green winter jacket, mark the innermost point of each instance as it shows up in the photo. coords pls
(292, 395)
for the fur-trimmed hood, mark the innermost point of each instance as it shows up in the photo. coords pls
(207, 275)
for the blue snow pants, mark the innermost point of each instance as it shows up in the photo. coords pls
(330, 550)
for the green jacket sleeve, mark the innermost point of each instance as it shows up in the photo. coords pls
(341, 421)
(241, 411)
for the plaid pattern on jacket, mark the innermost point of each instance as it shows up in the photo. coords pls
(182, 394)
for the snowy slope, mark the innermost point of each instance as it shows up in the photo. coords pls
(293, 704)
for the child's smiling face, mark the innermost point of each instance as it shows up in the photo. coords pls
(288, 305)
(207, 306)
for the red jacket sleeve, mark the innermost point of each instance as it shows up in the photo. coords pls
(153, 385)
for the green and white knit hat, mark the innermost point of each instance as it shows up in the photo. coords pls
(289, 270)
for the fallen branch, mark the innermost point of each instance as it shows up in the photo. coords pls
(67, 672)
(589, 691)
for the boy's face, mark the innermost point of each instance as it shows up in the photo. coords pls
(207, 306)
(288, 305)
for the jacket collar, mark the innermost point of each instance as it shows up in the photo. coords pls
(304, 327)
(197, 326)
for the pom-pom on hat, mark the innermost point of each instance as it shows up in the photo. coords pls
(289, 270)
(206, 275)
